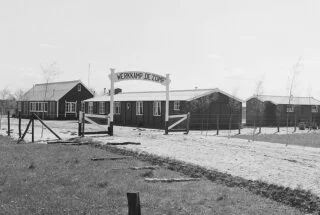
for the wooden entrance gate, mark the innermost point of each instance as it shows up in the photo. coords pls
(182, 125)
(83, 117)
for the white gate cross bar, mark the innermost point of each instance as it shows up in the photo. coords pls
(93, 122)
(184, 117)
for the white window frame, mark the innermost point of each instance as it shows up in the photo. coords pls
(38, 107)
(176, 105)
(102, 107)
(83, 106)
(19, 106)
(157, 108)
(90, 107)
(25, 107)
(79, 87)
(71, 107)
(117, 108)
(290, 108)
(139, 108)
(314, 109)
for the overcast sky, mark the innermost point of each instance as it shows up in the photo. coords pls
(229, 44)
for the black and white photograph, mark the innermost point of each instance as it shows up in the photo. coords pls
(171, 107)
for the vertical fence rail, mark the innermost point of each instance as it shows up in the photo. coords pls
(134, 207)
(19, 125)
(32, 127)
(8, 123)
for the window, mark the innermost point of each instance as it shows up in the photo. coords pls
(117, 108)
(38, 106)
(102, 109)
(157, 108)
(290, 108)
(79, 87)
(25, 107)
(176, 105)
(139, 108)
(71, 107)
(128, 106)
(83, 106)
(90, 107)
(314, 109)
(19, 106)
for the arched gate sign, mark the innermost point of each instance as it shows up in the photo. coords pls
(142, 76)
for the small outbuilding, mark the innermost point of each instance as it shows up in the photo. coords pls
(59, 100)
(209, 108)
(268, 110)
(8, 105)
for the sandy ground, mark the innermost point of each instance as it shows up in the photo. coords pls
(290, 166)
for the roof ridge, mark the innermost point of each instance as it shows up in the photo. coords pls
(288, 96)
(163, 91)
(58, 82)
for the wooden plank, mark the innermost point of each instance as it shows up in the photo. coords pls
(96, 132)
(134, 207)
(25, 132)
(123, 143)
(144, 167)
(109, 158)
(169, 180)
(47, 127)
(177, 116)
(178, 130)
(97, 116)
(58, 141)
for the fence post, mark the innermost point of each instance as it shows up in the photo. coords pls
(83, 122)
(218, 124)
(188, 122)
(134, 207)
(19, 124)
(79, 123)
(8, 123)
(32, 127)
(239, 132)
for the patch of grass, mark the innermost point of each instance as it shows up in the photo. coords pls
(102, 184)
(56, 187)
(301, 199)
(147, 174)
(31, 166)
(3, 180)
(309, 139)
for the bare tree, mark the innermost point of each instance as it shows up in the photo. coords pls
(233, 106)
(257, 108)
(296, 69)
(5, 94)
(50, 72)
(18, 94)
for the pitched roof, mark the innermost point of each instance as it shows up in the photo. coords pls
(49, 92)
(174, 95)
(285, 100)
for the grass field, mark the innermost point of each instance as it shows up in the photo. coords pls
(305, 139)
(59, 179)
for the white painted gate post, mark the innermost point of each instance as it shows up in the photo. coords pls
(167, 104)
(111, 101)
